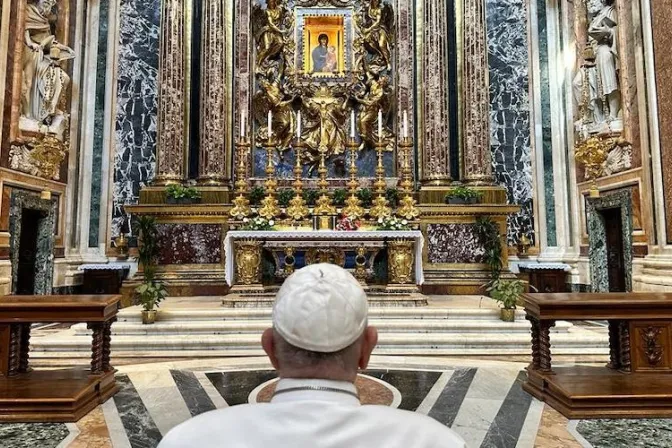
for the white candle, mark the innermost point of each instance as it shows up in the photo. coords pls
(405, 124)
(380, 124)
(298, 125)
(242, 124)
(352, 124)
(270, 123)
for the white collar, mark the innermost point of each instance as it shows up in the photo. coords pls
(342, 392)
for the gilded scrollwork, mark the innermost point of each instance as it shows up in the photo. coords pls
(41, 157)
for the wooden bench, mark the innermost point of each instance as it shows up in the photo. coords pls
(28, 395)
(637, 382)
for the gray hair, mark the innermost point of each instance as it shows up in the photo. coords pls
(292, 357)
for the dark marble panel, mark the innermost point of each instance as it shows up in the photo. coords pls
(67, 290)
(450, 401)
(453, 243)
(137, 101)
(192, 392)
(627, 433)
(505, 429)
(138, 424)
(235, 387)
(510, 109)
(99, 123)
(190, 243)
(32, 435)
(413, 385)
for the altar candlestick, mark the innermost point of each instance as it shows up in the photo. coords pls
(405, 124)
(270, 124)
(380, 124)
(352, 124)
(298, 125)
(242, 125)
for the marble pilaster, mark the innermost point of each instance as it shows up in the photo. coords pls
(173, 71)
(477, 158)
(214, 135)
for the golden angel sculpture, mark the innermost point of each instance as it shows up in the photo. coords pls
(375, 98)
(273, 26)
(376, 26)
(273, 97)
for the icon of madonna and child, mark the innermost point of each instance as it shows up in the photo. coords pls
(325, 58)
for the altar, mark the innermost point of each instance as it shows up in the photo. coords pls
(356, 251)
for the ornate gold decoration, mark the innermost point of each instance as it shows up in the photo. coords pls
(400, 261)
(376, 25)
(331, 255)
(360, 264)
(269, 205)
(297, 209)
(652, 349)
(381, 206)
(477, 156)
(43, 160)
(172, 117)
(592, 154)
(353, 205)
(121, 244)
(376, 97)
(290, 261)
(248, 262)
(324, 205)
(241, 204)
(407, 205)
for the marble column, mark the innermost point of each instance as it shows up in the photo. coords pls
(434, 139)
(214, 92)
(170, 166)
(476, 95)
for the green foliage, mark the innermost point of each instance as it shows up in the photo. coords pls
(392, 195)
(176, 191)
(284, 196)
(507, 292)
(150, 294)
(393, 223)
(366, 196)
(192, 193)
(258, 223)
(256, 195)
(340, 196)
(310, 196)
(488, 232)
(465, 193)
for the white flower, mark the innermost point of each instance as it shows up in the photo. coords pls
(404, 222)
(271, 223)
(380, 220)
(246, 220)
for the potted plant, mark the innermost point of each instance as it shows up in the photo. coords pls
(175, 194)
(256, 195)
(507, 293)
(392, 196)
(285, 196)
(310, 196)
(366, 196)
(488, 233)
(150, 293)
(192, 195)
(340, 195)
(462, 195)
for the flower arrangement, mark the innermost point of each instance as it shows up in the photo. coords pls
(392, 223)
(258, 224)
(347, 224)
(461, 195)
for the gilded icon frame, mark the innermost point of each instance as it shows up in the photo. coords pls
(337, 24)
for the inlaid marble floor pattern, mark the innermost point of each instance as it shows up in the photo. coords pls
(485, 404)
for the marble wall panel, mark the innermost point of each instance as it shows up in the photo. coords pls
(190, 243)
(453, 243)
(137, 73)
(510, 109)
(661, 17)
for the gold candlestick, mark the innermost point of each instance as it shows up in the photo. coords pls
(353, 205)
(381, 206)
(241, 204)
(297, 209)
(407, 205)
(269, 205)
(324, 205)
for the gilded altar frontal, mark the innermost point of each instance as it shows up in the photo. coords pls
(470, 163)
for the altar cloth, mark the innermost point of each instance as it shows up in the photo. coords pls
(323, 235)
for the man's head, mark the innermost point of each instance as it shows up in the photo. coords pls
(323, 39)
(320, 326)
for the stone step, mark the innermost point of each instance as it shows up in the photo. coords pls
(225, 314)
(172, 327)
(573, 342)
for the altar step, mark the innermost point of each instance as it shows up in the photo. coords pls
(185, 329)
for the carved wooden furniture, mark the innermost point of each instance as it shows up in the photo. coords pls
(28, 395)
(104, 278)
(546, 278)
(637, 382)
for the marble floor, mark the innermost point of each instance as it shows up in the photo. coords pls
(482, 400)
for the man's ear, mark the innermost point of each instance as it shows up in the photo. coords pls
(268, 344)
(368, 344)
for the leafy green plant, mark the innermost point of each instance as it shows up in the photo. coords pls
(392, 223)
(257, 194)
(176, 191)
(340, 195)
(466, 194)
(507, 292)
(392, 195)
(488, 233)
(284, 196)
(310, 196)
(151, 294)
(258, 223)
(366, 196)
(192, 193)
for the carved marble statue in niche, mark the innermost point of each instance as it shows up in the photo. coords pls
(44, 80)
(596, 86)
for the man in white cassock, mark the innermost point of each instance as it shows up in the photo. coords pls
(319, 340)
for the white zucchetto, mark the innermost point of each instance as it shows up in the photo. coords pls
(321, 308)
